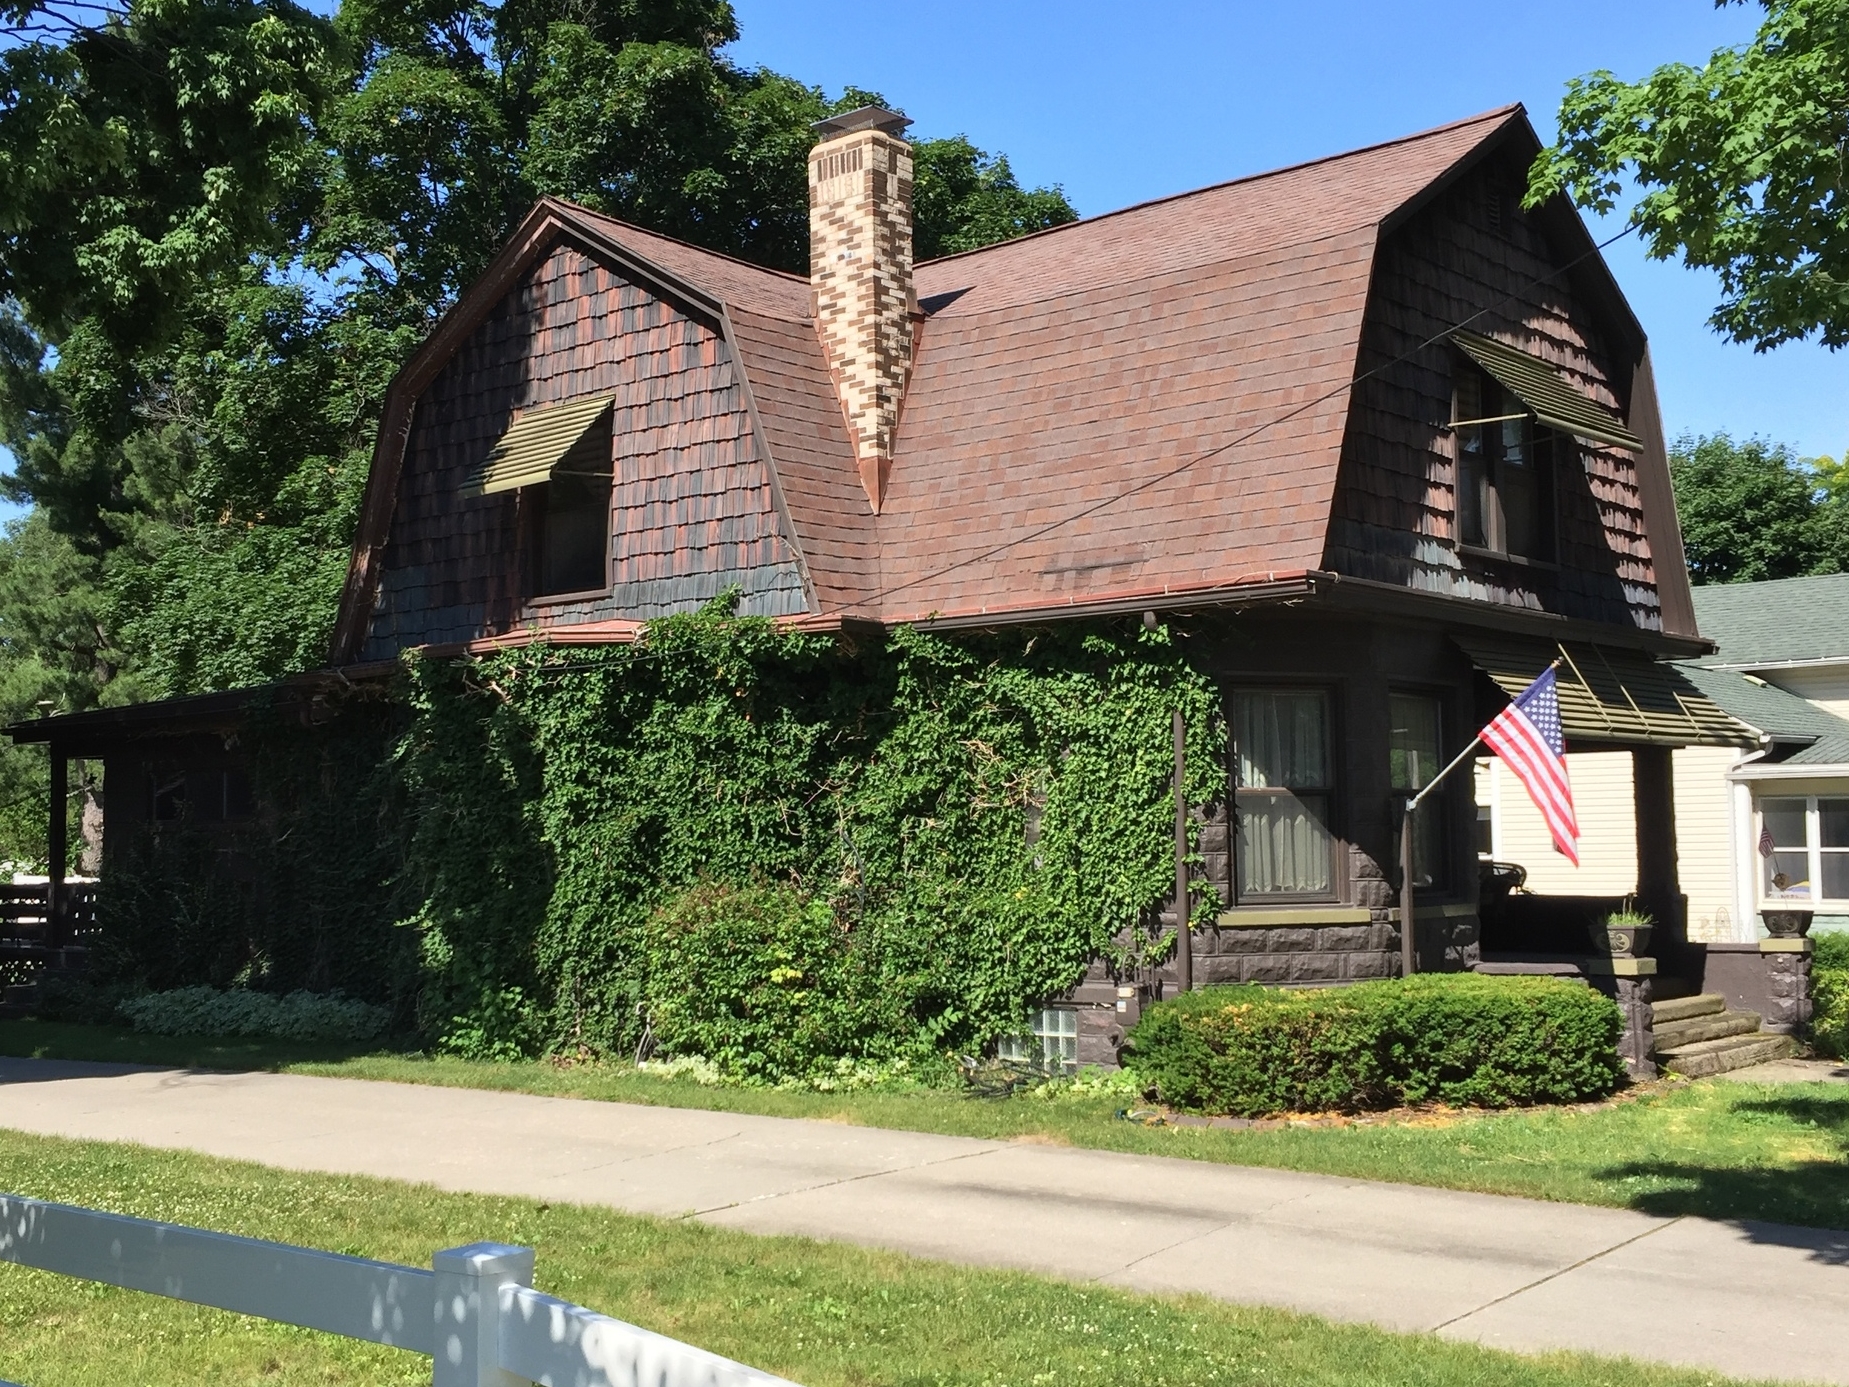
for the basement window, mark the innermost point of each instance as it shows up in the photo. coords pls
(1051, 1041)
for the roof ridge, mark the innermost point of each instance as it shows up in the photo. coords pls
(1499, 113)
(577, 207)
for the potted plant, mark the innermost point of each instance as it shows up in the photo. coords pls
(1624, 933)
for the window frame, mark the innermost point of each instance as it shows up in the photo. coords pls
(1436, 809)
(1541, 443)
(1056, 1055)
(536, 500)
(1814, 853)
(1331, 794)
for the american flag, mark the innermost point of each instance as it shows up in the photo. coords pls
(1527, 736)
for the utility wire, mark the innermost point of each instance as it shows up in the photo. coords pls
(1247, 437)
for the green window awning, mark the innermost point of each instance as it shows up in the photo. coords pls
(534, 444)
(1546, 393)
(1609, 693)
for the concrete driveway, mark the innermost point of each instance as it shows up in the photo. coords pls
(1749, 1299)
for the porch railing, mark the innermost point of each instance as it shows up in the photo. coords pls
(473, 1313)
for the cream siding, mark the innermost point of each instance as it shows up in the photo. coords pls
(1607, 828)
(1825, 685)
(1704, 840)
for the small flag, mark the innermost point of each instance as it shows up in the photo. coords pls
(1528, 737)
(1766, 846)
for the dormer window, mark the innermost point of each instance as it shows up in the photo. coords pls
(558, 457)
(1505, 471)
(572, 520)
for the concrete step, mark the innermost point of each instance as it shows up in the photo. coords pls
(1670, 1034)
(1707, 1057)
(1682, 1008)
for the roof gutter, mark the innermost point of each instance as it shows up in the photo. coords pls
(1253, 591)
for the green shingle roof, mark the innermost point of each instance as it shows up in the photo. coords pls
(1776, 622)
(1783, 716)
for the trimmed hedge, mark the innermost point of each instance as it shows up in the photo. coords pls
(1829, 981)
(238, 1011)
(1455, 1038)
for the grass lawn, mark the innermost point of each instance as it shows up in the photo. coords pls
(1718, 1149)
(816, 1313)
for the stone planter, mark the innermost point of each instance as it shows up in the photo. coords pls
(1786, 924)
(1620, 941)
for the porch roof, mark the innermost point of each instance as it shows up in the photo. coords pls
(1608, 693)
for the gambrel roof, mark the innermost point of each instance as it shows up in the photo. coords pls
(1144, 405)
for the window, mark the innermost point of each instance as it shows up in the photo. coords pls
(1413, 750)
(1051, 1041)
(572, 519)
(1505, 472)
(1804, 849)
(1281, 740)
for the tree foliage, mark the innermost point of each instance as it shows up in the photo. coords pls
(224, 223)
(1754, 510)
(1744, 166)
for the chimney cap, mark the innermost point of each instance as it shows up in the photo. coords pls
(866, 118)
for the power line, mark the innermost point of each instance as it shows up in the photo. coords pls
(1247, 437)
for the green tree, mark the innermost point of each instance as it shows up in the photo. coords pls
(1742, 166)
(1752, 511)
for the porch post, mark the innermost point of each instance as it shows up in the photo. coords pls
(1659, 889)
(1184, 942)
(57, 846)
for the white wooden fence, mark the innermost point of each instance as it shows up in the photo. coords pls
(473, 1312)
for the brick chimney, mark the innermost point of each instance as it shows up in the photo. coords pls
(860, 276)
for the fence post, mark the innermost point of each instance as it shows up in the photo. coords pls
(468, 1311)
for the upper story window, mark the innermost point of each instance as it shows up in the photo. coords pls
(1283, 794)
(1505, 471)
(572, 525)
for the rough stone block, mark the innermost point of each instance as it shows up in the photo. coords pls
(1243, 941)
(1316, 967)
(1218, 971)
(1370, 964)
(1343, 938)
(1375, 894)
(1291, 940)
(1267, 968)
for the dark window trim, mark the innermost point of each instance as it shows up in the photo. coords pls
(1444, 695)
(1341, 887)
(1545, 444)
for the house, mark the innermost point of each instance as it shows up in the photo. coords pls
(1384, 441)
(1757, 827)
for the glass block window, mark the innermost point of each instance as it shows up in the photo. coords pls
(1281, 739)
(1051, 1041)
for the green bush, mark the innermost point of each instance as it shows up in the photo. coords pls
(297, 1016)
(1453, 1038)
(759, 980)
(1830, 995)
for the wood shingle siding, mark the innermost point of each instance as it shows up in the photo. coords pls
(1472, 252)
(692, 506)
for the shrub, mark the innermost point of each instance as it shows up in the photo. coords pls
(297, 1016)
(1830, 995)
(758, 980)
(1451, 1038)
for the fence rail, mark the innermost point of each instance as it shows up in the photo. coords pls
(474, 1313)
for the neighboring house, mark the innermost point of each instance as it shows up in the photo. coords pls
(1782, 669)
(1382, 440)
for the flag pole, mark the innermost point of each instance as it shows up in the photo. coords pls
(1408, 956)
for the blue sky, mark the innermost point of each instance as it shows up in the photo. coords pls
(1122, 102)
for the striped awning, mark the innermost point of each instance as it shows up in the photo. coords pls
(1609, 693)
(1545, 392)
(534, 444)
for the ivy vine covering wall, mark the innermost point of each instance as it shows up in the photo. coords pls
(773, 848)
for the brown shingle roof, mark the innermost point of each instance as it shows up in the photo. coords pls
(1062, 388)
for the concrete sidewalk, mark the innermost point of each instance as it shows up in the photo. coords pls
(1749, 1299)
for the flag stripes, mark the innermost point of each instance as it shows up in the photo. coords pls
(1527, 735)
